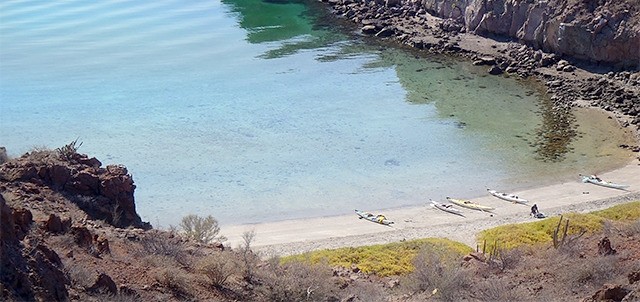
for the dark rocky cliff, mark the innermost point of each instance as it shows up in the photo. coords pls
(595, 30)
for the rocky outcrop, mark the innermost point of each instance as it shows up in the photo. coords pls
(47, 196)
(103, 193)
(595, 30)
(30, 270)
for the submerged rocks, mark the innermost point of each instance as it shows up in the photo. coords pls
(537, 24)
(495, 70)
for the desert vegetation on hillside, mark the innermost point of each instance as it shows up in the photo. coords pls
(61, 241)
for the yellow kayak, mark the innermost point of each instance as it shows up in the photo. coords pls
(469, 204)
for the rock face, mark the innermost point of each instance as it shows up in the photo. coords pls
(44, 265)
(40, 192)
(103, 193)
(595, 30)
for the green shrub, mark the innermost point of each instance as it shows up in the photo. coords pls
(201, 229)
(532, 233)
(624, 212)
(384, 259)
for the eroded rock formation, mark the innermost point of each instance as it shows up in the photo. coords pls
(595, 30)
(103, 193)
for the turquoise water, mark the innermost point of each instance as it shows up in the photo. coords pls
(253, 111)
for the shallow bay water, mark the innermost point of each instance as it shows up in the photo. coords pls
(256, 111)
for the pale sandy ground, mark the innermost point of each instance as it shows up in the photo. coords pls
(299, 236)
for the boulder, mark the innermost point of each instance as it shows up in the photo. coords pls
(610, 292)
(495, 70)
(369, 29)
(634, 277)
(22, 219)
(54, 224)
(103, 284)
(386, 32)
(604, 247)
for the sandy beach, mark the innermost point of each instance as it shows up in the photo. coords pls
(299, 236)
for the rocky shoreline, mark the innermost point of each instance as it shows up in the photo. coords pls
(569, 82)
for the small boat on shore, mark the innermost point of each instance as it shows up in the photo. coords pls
(446, 207)
(469, 204)
(381, 219)
(508, 197)
(597, 181)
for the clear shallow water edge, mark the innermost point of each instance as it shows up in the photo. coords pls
(251, 111)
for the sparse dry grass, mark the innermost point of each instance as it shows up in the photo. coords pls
(439, 273)
(218, 267)
(589, 271)
(295, 281)
(79, 275)
(175, 279)
(632, 229)
(497, 289)
(163, 245)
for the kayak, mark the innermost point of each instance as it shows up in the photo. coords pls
(446, 207)
(508, 197)
(469, 204)
(597, 181)
(381, 219)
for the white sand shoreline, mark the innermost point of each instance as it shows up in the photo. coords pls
(302, 235)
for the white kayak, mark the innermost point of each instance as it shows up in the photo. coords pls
(381, 219)
(469, 204)
(446, 207)
(507, 197)
(597, 181)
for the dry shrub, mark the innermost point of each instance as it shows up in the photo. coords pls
(218, 267)
(201, 229)
(632, 229)
(497, 290)
(436, 270)
(62, 242)
(120, 297)
(595, 271)
(175, 280)
(159, 261)
(249, 258)
(365, 291)
(162, 245)
(68, 151)
(505, 259)
(295, 281)
(42, 154)
(78, 274)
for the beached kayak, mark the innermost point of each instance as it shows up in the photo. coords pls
(507, 197)
(469, 204)
(446, 207)
(597, 181)
(381, 219)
